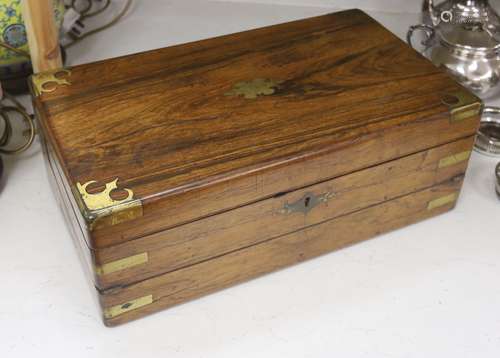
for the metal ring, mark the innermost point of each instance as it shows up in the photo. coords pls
(491, 110)
(32, 129)
(83, 10)
(488, 135)
(7, 132)
(497, 173)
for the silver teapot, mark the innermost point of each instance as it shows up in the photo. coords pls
(464, 37)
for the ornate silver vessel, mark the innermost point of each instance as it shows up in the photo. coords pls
(488, 135)
(464, 37)
(497, 174)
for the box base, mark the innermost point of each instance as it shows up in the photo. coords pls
(134, 301)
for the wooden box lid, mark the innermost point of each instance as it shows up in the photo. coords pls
(189, 131)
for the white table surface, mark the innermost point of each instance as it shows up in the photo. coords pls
(429, 290)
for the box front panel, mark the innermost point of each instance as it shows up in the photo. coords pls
(245, 226)
(361, 148)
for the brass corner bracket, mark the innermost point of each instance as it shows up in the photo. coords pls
(462, 105)
(100, 209)
(49, 81)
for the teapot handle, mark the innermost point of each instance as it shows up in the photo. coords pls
(432, 12)
(429, 32)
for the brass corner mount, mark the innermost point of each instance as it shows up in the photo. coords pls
(462, 105)
(48, 81)
(100, 209)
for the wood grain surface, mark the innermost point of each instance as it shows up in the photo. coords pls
(197, 280)
(351, 95)
(245, 226)
(43, 34)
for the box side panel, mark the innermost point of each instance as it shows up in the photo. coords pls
(216, 235)
(138, 300)
(69, 212)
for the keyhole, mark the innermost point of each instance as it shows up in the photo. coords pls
(451, 100)
(307, 201)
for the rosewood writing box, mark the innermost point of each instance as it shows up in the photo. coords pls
(191, 168)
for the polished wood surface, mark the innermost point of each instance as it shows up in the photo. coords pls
(69, 209)
(212, 275)
(347, 131)
(350, 95)
(245, 226)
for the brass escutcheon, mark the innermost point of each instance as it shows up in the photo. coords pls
(308, 202)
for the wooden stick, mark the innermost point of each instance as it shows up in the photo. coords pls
(43, 37)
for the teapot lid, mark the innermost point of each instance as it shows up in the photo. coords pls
(468, 23)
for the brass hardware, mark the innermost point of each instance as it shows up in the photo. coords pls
(128, 306)
(103, 199)
(122, 264)
(308, 202)
(101, 210)
(48, 81)
(462, 105)
(454, 159)
(253, 89)
(445, 200)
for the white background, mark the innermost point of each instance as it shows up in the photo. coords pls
(396, 6)
(429, 290)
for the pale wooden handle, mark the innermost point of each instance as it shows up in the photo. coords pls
(43, 37)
